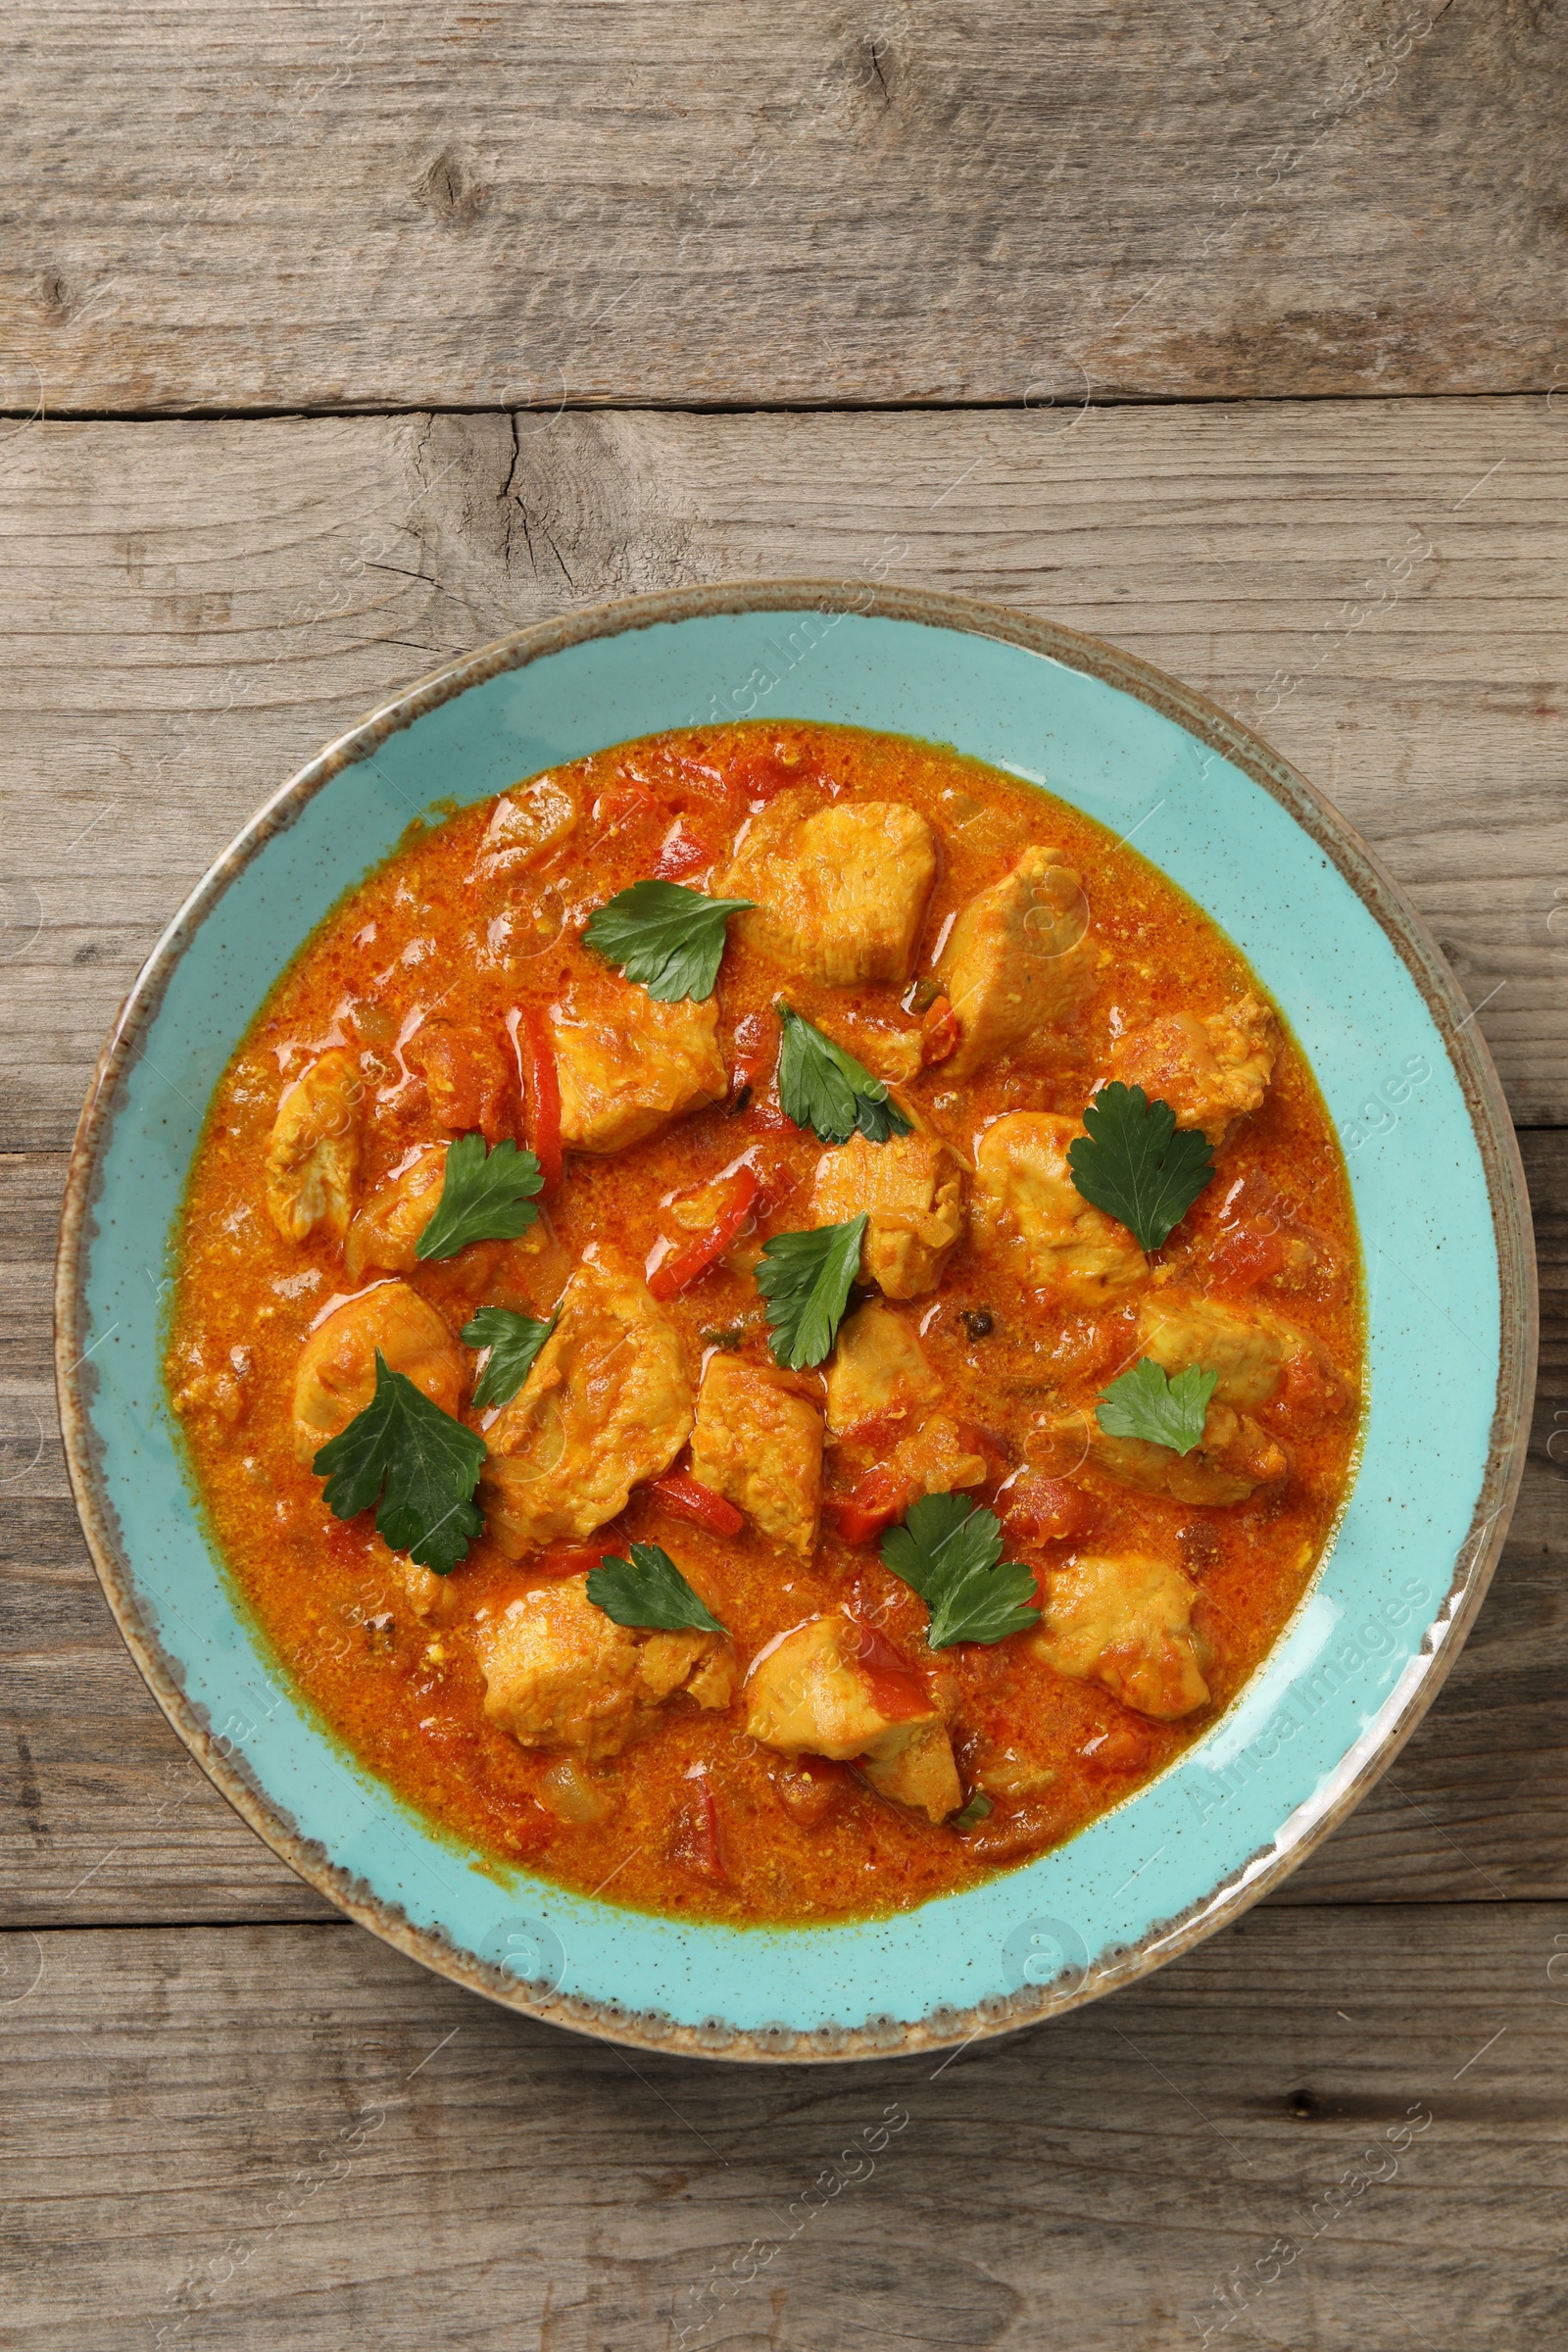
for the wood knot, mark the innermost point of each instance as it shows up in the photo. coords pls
(449, 191)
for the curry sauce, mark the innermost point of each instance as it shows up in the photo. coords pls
(453, 993)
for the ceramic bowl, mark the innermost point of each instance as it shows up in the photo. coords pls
(1437, 1189)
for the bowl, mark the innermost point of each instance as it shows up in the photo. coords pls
(1438, 1189)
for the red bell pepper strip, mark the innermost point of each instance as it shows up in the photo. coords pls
(688, 1498)
(577, 1559)
(544, 1096)
(679, 1272)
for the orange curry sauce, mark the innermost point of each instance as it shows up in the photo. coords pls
(447, 927)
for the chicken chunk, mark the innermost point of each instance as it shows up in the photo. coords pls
(878, 1366)
(938, 1459)
(313, 1156)
(761, 1448)
(1126, 1624)
(608, 1401)
(1211, 1071)
(466, 1078)
(1027, 1209)
(1232, 1460)
(840, 892)
(1260, 1358)
(386, 1230)
(921, 1774)
(833, 1688)
(1019, 961)
(913, 1188)
(434, 1599)
(528, 820)
(629, 1065)
(335, 1377)
(1177, 1330)
(560, 1673)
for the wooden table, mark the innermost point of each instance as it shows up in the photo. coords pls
(338, 339)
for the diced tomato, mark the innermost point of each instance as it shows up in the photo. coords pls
(682, 853)
(684, 775)
(881, 1497)
(939, 1033)
(854, 1522)
(775, 1181)
(542, 1086)
(688, 1498)
(697, 1839)
(464, 1076)
(617, 809)
(1247, 1254)
(770, 1116)
(764, 776)
(1049, 1510)
(1121, 1748)
(896, 1688)
(1309, 1393)
(678, 1272)
(879, 1432)
(809, 1788)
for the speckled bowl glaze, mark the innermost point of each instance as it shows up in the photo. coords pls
(1451, 1296)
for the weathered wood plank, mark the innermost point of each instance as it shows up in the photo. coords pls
(293, 2135)
(490, 206)
(103, 1818)
(191, 609)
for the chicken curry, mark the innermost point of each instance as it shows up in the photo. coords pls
(768, 1322)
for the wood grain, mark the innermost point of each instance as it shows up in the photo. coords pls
(291, 2135)
(487, 205)
(1033, 214)
(191, 609)
(104, 1818)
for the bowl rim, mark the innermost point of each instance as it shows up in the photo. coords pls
(1361, 1766)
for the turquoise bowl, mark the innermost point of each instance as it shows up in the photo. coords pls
(1450, 1295)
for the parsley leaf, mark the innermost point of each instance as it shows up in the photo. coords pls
(805, 1278)
(418, 1461)
(950, 1551)
(514, 1341)
(665, 937)
(1134, 1163)
(821, 1087)
(485, 1196)
(1145, 1404)
(648, 1590)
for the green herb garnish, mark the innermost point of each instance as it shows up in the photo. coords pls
(1136, 1164)
(485, 1196)
(1144, 1403)
(648, 1590)
(821, 1087)
(949, 1549)
(514, 1341)
(419, 1463)
(667, 938)
(805, 1278)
